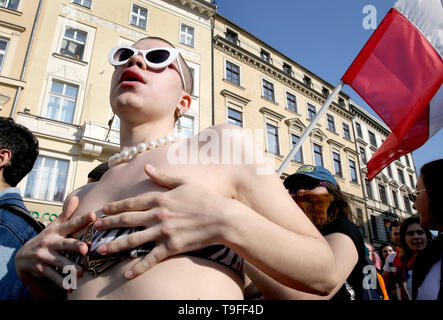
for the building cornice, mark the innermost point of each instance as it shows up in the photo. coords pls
(200, 6)
(226, 93)
(362, 114)
(269, 70)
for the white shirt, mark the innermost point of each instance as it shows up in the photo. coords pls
(389, 263)
(431, 284)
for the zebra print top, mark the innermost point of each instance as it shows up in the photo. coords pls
(95, 263)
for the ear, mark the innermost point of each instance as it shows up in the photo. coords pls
(185, 103)
(5, 157)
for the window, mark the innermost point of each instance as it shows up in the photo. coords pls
(407, 160)
(346, 132)
(331, 122)
(318, 155)
(307, 81)
(139, 16)
(372, 139)
(411, 180)
(268, 90)
(266, 56)
(389, 171)
(337, 164)
(369, 189)
(364, 160)
(395, 198)
(341, 102)
(325, 92)
(311, 112)
(3, 47)
(231, 36)
(407, 204)
(401, 176)
(287, 69)
(9, 4)
(187, 35)
(359, 132)
(47, 179)
(84, 3)
(62, 101)
(299, 154)
(272, 138)
(353, 171)
(382, 192)
(291, 102)
(232, 73)
(73, 43)
(235, 117)
(187, 124)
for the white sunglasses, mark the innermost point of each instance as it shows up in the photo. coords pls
(155, 58)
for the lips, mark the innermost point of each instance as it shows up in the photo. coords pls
(132, 75)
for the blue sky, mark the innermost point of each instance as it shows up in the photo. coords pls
(324, 36)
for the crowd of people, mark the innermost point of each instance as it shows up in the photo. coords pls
(143, 228)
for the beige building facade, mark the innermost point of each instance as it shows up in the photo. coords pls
(266, 92)
(16, 29)
(65, 101)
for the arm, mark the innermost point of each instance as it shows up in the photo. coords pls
(262, 224)
(346, 258)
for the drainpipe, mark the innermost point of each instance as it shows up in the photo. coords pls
(212, 62)
(25, 63)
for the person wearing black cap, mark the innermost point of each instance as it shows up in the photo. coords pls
(316, 191)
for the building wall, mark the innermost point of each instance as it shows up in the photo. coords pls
(15, 32)
(79, 142)
(381, 210)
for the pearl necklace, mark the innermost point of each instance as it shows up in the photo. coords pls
(129, 152)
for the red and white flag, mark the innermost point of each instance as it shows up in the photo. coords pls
(399, 73)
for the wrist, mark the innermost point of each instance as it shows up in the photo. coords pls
(229, 228)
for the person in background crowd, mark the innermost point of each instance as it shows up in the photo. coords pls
(373, 256)
(18, 152)
(427, 274)
(388, 268)
(384, 251)
(413, 239)
(317, 193)
(96, 173)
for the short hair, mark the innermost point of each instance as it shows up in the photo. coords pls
(23, 146)
(395, 223)
(186, 70)
(432, 173)
(98, 171)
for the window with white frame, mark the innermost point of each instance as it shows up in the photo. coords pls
(235, 117)
(353, 171)
(382, 193)
(337, 164)
(9, 4)
(363, 155)
(73, 43)
(318, 155)
(311, 112)
(346, 131)
(187, 124)
(395, 199)
(232, 73)
(359, 132)
(47, 179)
(139, 16)
(272, 138)
(299, 154)
(62, 101)
(265, 55)
(291, 102)
(187, 35)
(3, 47)
(268, 90)
(84, 3)
(331, 122)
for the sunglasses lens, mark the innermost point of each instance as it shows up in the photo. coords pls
(158, 56)
(123, 54)
(412, 197)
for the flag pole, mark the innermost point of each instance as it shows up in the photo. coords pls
(311, 126)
